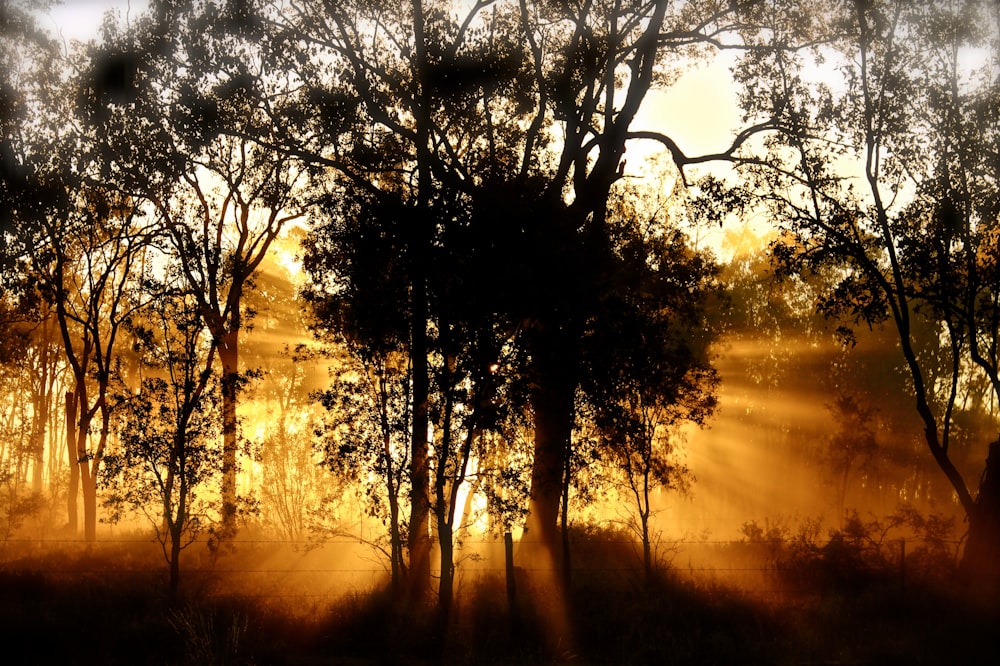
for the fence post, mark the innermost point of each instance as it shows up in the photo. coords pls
(512, 614)
(902, 565)
(508, 551)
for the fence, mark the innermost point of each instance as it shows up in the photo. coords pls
(318, 572)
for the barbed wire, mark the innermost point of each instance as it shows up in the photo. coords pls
(762, 565)
(498, 542)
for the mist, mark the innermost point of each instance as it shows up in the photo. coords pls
(510, 331)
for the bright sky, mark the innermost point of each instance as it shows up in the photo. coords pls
(81, 19)
(699, 111)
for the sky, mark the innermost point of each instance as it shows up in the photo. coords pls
(699, 111)
(81, 19)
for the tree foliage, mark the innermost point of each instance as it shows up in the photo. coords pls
(881, 169)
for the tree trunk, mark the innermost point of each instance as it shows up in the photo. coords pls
(396, 564)
(552, 402)
(446, 589)
(567, 570)
(88, 482)
(419, 540)
(175, 532)
(645, 512)
(229, 357)
(91, 468)
(981, 561)
(647, 550)
(54, 446)
(175, 566)
(419, 249)
(541, 551)
(395, 548)
(41, 402)
(176, 526)
(37, 450)
(74, 469)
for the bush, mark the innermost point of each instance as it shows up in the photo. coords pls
(906, 546)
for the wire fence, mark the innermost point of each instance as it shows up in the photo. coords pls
(334, 568)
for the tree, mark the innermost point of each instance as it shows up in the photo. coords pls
(31, 190)
(359, 267)
(384, 109)
(30, 368)
(649, 368)
(291, 479)
(169, 427)
(519, 110)
(190, 137)
(365, 440)
(85, 264)
(883, 171)
(222, 242)
(853, 444)
(19, 419)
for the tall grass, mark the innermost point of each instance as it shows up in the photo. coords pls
(832, 602)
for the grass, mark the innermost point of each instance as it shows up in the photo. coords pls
(119, 614)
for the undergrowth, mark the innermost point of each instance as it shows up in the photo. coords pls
(838, 599)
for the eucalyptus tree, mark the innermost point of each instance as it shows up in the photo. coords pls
(648, 370)
(82, 240)
(373, 122)
(520, 112)
(882, 170)
(18, 420)
(477, 388)
(359, 265)
(363, 439)
(169, 425)
(32, 372)
(288, 370)
(31, 71)
(87, 269)
(72, 236)
(187, 132)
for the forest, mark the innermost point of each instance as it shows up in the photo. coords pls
(415, 331)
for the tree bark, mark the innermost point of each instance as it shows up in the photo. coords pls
(86, 475)
(419, 539)
(229, 357)
(419, 542)
(74, 469)
(552, 402)
(41, 403)
(981, 561)
(446, 589)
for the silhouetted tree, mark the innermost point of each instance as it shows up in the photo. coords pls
(852, 445)
(443, 105)
(881, 167)
(169, 426)
(648, 367)
(190, 136)
(360, 265)
(33, 187)
(86, 266)
(364, 437)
